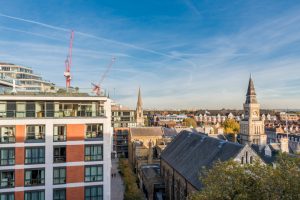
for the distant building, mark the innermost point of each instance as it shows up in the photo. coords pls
(23, 78)
(122, 119)
(252, 129)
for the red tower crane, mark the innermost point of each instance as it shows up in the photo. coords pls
(97, 87)
(68, 63)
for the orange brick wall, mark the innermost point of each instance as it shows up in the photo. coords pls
(75, 174)
(19, 195)
(76, 193)
(19, 178)
(75, 132)
(75, 153)
(20, 153)
(20, 133)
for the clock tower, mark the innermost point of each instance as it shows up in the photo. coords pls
(252, 129)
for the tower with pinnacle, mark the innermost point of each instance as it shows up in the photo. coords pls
(252, 129)
(139, 111)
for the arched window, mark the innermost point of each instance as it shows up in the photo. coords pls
(246, 161)
(242, 160)
(251, 159)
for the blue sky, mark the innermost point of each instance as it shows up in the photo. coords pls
(183, 53)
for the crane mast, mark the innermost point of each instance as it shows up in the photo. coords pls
(68, 63)
(97, 87)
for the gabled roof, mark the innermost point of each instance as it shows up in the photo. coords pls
(189, 152)
(146, 131)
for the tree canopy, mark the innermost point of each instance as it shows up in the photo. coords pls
(230, 180)
(231, 126)
(190, 122)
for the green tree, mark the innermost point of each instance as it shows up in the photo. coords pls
(230, 180)
(132, 192)
(190, 122)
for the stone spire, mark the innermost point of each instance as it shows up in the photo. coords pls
(139, 101)
(139, 110)
(251, 95)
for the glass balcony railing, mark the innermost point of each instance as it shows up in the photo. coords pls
(50, 114)
(7, 139)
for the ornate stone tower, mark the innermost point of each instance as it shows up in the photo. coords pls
(252, 129)
(139, 111)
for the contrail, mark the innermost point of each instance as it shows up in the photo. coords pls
(97, 37)
(34, 22)
(28, 32)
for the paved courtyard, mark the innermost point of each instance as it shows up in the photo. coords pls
(117, 187)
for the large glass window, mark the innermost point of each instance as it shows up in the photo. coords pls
(59, 133)
(7, 196)
(59, 175)
(34, 177)
(7, 179)
(35, 195)
(35, 132)
(59, 154)
(93, 152)
(93, 173)
(7, 134)
(59, 194)
(34, 155)
(7, 156)
(94, 192)
(94, 131)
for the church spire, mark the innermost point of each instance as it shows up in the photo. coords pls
(139, 111)
(251, 95)
(139, 102)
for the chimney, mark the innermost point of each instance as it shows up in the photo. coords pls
(284, 145)
(150, 153)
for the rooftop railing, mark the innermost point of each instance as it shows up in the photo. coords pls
(50, 114)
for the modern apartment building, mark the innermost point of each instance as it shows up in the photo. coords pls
(24, 78)
(55, 148)
(122, 119)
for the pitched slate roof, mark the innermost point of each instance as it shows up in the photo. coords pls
(146, 131)
(189, 152)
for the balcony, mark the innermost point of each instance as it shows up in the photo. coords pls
(7, 135)
(7, 179)
(35, 133)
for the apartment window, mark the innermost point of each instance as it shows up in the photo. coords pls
(21, 108)
(35, 155)
(59, 175)
(30, 109)
(59, 133)
(7, 156)
(93, 173)
(59, 154)
(35, 195)
(59, 194)
(7, 134)
(93, 152)
(34, 177)
(7, 196)
(35, 133)
(7, 179)
(93, 192)
(94, 131)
